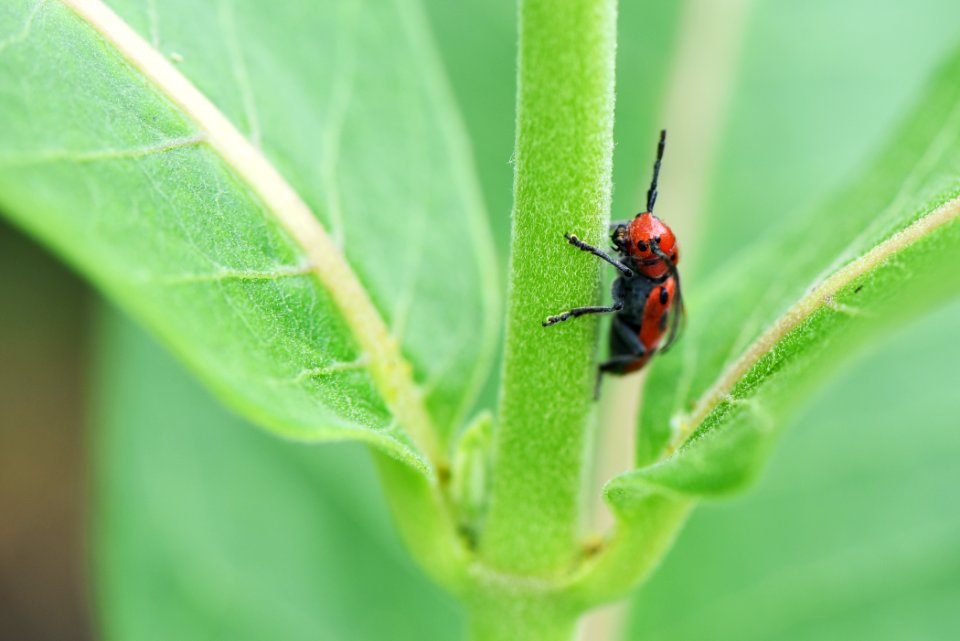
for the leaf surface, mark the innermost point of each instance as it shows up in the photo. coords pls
(283, 193)
(851, 533)
(765, 332)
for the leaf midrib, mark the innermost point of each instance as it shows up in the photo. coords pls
(820, 296)
(391, 373)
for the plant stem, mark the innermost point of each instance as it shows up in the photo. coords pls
(562, 185)
(643, 535)
(510, 620)
(423, 520)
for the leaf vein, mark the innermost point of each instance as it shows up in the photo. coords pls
(154, 21)
(278, 273)
(229, 28)
(359, 363)
(806, 307)
(96, 155)
(25, 30)
(340, 96)
(391, 373)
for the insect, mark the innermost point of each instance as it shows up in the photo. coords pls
(647, 301)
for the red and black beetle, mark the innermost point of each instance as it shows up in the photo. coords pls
(647, 301)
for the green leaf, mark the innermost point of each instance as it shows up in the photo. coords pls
(208, 528)
(763, 334)
(808, 114)
(328, 271)
(851, 533)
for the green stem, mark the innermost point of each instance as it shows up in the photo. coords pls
(563, 162)
(511, 620)
(424, 520)
(643, 535)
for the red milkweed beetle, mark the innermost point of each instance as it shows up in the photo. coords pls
(647, 301)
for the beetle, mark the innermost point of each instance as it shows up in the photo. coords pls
(647, 301)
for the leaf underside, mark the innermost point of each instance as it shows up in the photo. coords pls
(105, 169)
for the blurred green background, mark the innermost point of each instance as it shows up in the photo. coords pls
(136, 508)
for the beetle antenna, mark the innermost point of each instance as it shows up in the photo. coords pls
(652, 192)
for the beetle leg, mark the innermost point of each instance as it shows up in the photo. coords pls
(576, 242)
(581, 311)
(611, 363)
(607, 366)
(629, 336)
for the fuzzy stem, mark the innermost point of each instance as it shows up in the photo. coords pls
(562, 185)
(513, 619)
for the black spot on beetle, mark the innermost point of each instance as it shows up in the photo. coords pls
(663, 321)
(642, 246)
(664, 295)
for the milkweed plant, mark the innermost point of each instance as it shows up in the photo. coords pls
(286, 198)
